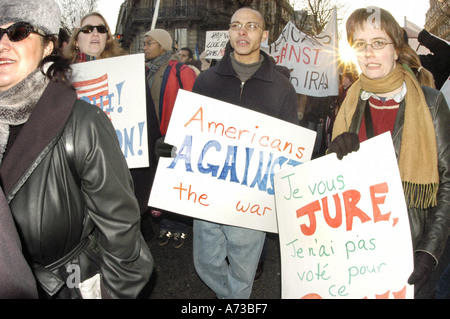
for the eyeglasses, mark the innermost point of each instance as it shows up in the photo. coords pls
(249, 26)
(148, 43)
(360, 46)
(90, 28)
(19, 31)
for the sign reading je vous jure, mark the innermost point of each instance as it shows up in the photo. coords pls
(344, 227)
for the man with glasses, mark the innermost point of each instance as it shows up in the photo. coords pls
(226, 257)
(165, 76)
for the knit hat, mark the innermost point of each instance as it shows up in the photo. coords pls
(162, 37)
(42, 14)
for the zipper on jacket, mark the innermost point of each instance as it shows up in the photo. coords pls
(242, 89)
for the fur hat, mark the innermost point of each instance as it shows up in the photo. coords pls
(42, 14)
(162, 37)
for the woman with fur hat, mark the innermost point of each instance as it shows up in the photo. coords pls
(389, 97)
(63, 173)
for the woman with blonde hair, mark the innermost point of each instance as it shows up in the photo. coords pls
(391, 96)
(92, 40)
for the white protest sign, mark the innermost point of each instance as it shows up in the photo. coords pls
(216, 42)
(117, 86)
(312, 59)
(344, 227)
(225, 162)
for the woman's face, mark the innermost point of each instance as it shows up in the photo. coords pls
(93, 43)
(375, 64)
(19, 59)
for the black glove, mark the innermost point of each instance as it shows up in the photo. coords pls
(163, 149)
(344, 144)
(423, 266)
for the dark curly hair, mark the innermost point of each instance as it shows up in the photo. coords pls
(59, 69)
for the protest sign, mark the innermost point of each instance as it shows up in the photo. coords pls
(117, 86)
(225, 162)
(215, 44)
(312, 59)
(344, 227)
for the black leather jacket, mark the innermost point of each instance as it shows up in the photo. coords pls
(429, 228)
(50, 208)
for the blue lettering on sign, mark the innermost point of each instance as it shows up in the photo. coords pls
(263, 178)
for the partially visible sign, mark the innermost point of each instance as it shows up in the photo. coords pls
(117, 86)
(215, 44)
(312, 59)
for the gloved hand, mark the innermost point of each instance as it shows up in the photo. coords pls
(423, 266)
(162, 149)
(344, 144)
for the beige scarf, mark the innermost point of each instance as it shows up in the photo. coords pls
(418, 155)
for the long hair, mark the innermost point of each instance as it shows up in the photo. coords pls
(112, 47)
(381, 18)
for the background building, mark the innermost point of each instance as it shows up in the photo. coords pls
(437, 19)
(188, 20)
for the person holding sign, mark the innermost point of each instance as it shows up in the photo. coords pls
(226, 257)
(93, 41)
(389, 97)
(62, 170)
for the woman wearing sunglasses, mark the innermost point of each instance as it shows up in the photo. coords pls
(65, 178)
(391, 96)
(92, 40)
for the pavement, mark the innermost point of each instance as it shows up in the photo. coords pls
(174, 275)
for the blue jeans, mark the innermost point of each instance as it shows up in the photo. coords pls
(443, 286)
(226, 257)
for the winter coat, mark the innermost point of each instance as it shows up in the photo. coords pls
(80, 213)
(16, 278)
(267, 91)
(429, 228)
(438, 63)
(165, 88)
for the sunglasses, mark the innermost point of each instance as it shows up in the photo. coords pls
(90, 28)
(19, 31)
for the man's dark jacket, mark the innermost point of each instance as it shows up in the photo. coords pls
(267, 91)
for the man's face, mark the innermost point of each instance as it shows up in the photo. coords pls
(152, 49)
(246, 44)
(184, 56)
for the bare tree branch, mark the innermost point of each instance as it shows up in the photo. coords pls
(73, 10)
(320, 11)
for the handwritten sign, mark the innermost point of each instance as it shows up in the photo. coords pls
(225, 162)
(117, 86)
(215, 44)
(312, 59)
(344, 227)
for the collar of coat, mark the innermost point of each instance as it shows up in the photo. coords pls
(264, 73)
(45, 122)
